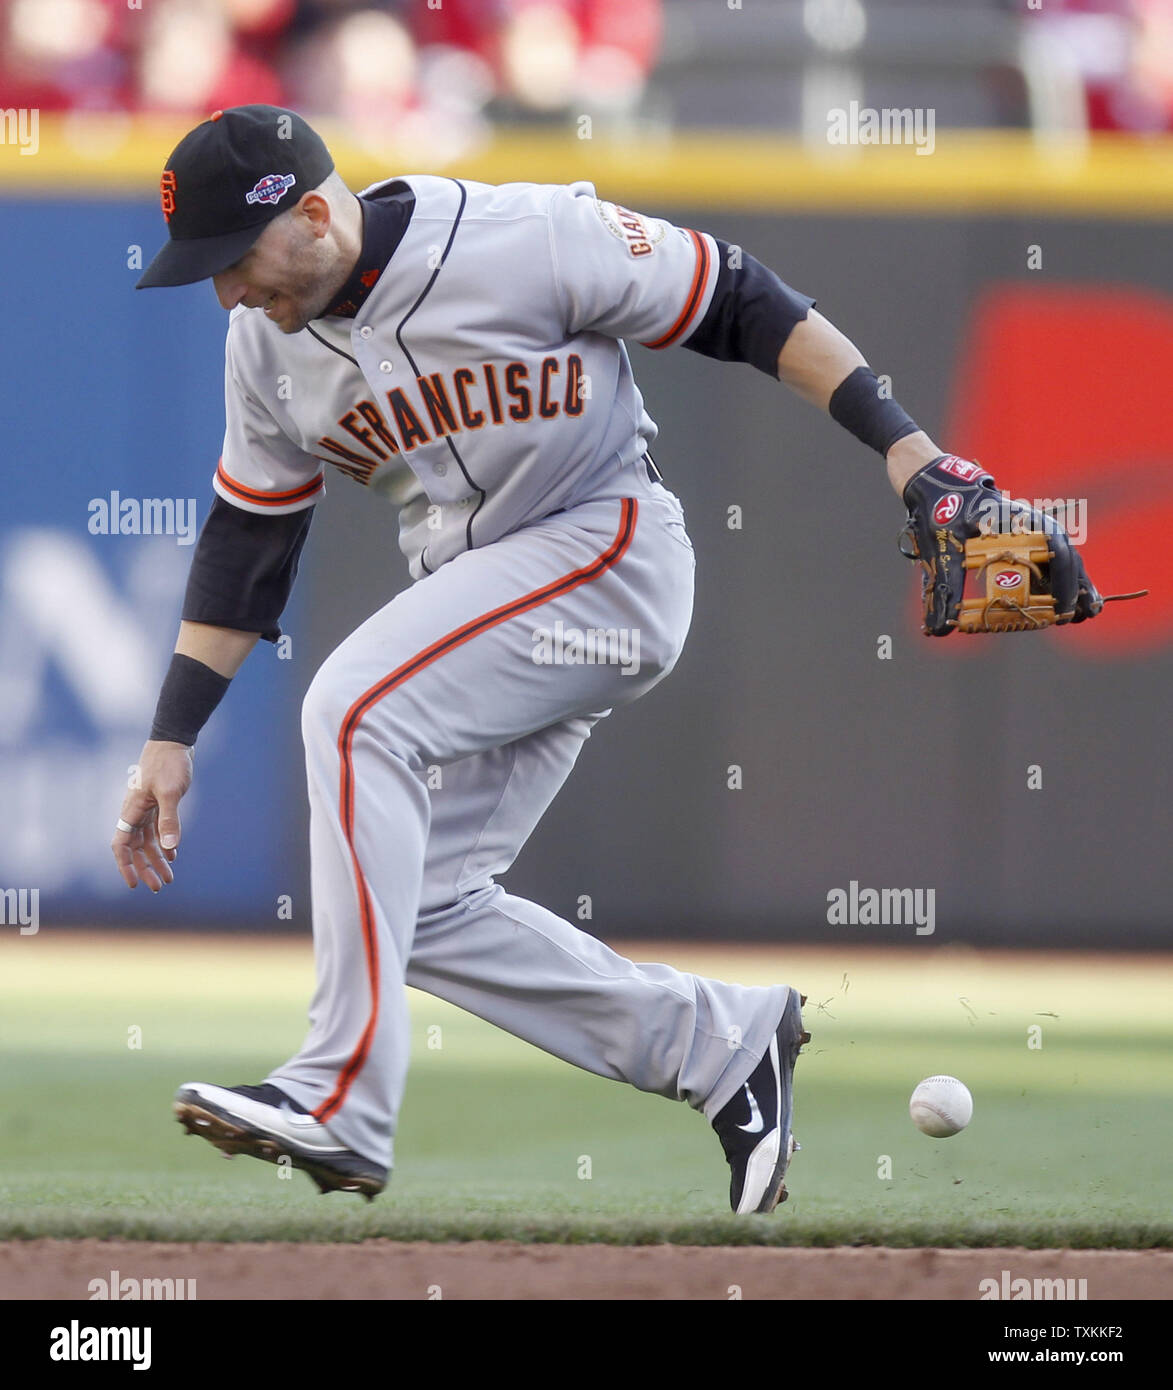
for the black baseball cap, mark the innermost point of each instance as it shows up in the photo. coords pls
(225, 182)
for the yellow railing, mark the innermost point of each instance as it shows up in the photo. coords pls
(968, 171)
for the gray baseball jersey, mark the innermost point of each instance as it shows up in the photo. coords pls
(483, 386)
(484, 383)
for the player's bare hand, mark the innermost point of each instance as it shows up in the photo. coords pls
(146, 839)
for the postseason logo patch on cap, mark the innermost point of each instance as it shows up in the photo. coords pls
(271, 189)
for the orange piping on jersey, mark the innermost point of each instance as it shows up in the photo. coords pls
(267, 499)
(629, 510)
(696, 290)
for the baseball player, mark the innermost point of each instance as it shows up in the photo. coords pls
(458, 349)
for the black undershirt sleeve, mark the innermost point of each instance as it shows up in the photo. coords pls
(751, 314)
(243, 568)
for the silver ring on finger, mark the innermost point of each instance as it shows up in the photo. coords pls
(124, 827)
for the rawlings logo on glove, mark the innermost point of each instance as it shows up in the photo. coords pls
(1027, 572)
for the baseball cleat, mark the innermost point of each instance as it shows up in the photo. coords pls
(264, 1122)
(754, 1127)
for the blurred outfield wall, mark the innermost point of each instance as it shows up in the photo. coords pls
(918, 769)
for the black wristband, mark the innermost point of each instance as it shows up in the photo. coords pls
(878, 421)
(191, 691)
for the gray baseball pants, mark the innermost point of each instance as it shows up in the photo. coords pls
(436, 735)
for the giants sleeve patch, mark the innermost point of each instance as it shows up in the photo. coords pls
(641, 235)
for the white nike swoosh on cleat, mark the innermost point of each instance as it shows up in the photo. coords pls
(295, 1117)
(756, 1123)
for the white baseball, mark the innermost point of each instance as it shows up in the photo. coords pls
(941, 1106)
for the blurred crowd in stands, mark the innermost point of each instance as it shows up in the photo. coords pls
(1124, 51)
(446, 66)
(375, 64)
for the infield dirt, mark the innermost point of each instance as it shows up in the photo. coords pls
(382, 1269)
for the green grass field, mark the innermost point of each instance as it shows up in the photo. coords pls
(1070, 1143)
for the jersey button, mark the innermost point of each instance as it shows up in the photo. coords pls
(365, 331)
(386, 366)
(440, 469)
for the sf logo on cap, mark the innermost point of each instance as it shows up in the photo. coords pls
(167, 193)
(271, 189)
